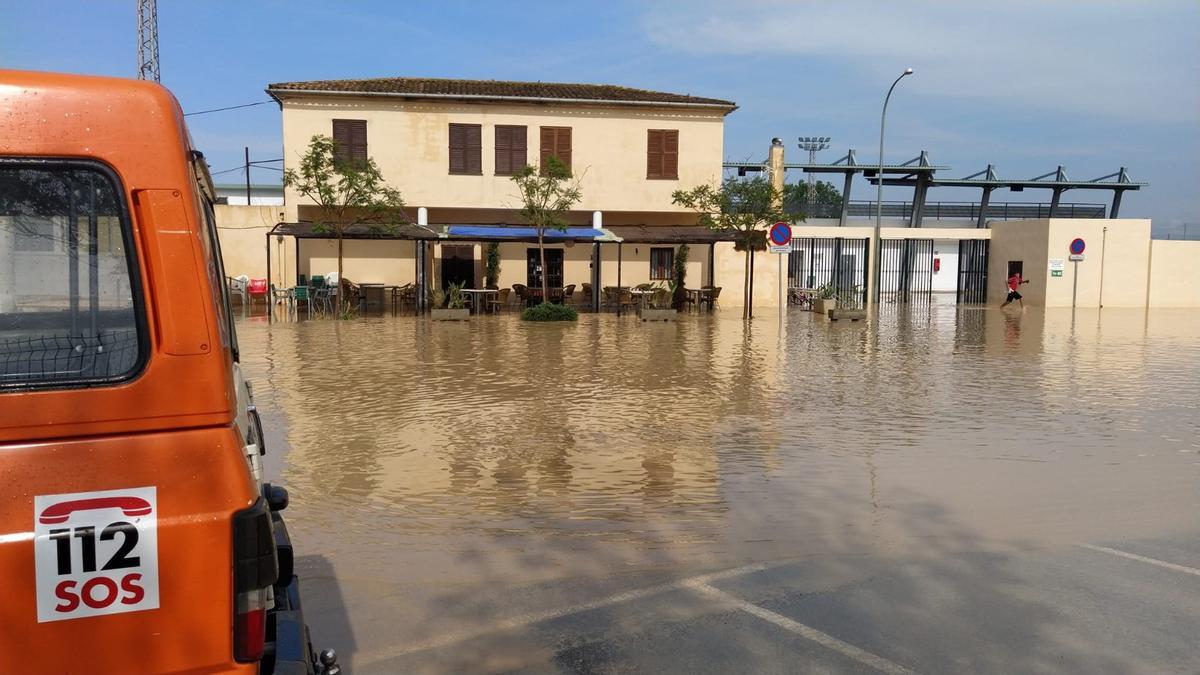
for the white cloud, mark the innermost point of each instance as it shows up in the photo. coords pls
(1134, 61)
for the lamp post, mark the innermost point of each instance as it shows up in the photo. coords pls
(813, 144)
(873, 275)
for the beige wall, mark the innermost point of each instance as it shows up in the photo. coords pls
(1174, 274)
(409, 140)
(1023, 240)
(364, 261)
(242, 231)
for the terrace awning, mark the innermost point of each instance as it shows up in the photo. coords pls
(524, 233)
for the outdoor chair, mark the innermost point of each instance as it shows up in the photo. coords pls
(609, 296)
(627, 299)
(522, 292)
(569, 295)
(710, 294)
(586, 290)
(662, 298)
(281, 296)
(318, 281)
(257, 289)
(321, 300)
(237, 289)
(302, 294)
(499, 301)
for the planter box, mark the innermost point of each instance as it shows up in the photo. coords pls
(849, 314)
(657, 314)
(451, 314)
(822, 307)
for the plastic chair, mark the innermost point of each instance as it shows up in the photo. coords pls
(257, 289)
(302, 294)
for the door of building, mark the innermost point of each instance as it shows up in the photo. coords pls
(458, 265)
(554, 268)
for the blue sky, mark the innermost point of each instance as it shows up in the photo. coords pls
(1024, 85)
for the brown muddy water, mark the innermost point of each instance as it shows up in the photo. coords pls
(445, 475)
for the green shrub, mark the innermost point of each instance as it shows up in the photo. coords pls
(548, 311)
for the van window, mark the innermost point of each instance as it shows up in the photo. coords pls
(69, 312)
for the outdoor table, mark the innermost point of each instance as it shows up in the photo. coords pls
(479, 297)
(372, 294)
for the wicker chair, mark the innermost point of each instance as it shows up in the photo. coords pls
(569, 295)
(499, 301)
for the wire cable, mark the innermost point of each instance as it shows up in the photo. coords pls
(232, 107)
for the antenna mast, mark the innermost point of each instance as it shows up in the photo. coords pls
(147, 12)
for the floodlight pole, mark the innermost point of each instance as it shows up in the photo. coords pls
(873, 273)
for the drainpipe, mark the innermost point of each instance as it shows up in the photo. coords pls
(1103, 247)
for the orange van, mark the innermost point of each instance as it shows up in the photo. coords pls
(136, 534)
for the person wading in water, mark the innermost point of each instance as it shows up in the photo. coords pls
(1014, 282)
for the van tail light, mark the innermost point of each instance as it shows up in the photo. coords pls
(255, 570)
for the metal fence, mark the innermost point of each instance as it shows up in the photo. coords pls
(957, 210)
(905, 270)
(835, 262)
(972, 271)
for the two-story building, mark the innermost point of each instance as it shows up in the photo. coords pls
(452, 146)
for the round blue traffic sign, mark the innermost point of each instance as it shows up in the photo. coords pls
(1077, 246)
(781, 234)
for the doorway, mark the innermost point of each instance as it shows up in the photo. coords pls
(458, 265)
(554, 268)
(1016, 267)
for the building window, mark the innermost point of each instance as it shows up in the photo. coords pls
(466, 149)
(556, 142)
(662, 153)
(510, 149)
(350, 140)
(662, 263)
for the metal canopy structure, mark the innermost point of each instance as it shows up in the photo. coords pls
(919, 174)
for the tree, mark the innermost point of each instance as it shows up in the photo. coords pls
(796, 199)
(546, 198)
(742, 207)
(347, 192)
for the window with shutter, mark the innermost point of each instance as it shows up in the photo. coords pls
(466, 149)
(662, 153)
(350, 140)
(556, 142)
(510, 149)
(662, 263)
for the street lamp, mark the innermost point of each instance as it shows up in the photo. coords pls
(873, 278)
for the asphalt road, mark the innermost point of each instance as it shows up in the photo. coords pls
(1098, 607)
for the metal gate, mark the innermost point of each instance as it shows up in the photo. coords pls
(906, 270)
(972, 271)
(834, 262)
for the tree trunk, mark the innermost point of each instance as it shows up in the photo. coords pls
(545, 272)
(746, 285)
(337, 308)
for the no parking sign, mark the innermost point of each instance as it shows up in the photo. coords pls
(780, 238)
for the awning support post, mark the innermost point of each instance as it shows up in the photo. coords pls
(618, 278)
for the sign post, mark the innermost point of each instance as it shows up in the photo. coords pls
(779, 240)
(1076, 248)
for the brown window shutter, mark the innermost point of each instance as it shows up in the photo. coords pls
(563, 146)
(504, 150)
(458, 149)
(474, 149)
(670, 165)
(519, 146)
(547, 148)
(341, 139)
(654, 153)
(358, 141)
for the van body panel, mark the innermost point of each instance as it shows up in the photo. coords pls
(190, 629)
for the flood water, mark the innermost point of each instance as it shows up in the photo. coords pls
(445, 475)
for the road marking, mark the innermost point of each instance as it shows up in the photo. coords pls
(1141, 558)
(807, 632)
(522, 621)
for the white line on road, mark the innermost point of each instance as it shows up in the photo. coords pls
(522, 621)
(1141, 558)
(807, 632)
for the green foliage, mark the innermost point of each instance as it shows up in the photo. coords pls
(796, 197)
(743, 207)
(492, 266)
(438, 297)
(346, 192)
(681, 261)
(827, 292)
(548, 311)
(546, 198)
(454, 297)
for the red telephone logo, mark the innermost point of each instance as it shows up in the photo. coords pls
(60, 512)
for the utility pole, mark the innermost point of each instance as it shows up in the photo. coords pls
(147, 16)
(247, 175)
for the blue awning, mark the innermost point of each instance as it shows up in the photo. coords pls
(519, 232)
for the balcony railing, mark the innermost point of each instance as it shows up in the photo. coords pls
(958, 210)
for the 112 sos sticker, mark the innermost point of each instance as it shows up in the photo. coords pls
(96, 553)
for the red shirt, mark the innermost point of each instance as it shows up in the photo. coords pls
(1014, 281)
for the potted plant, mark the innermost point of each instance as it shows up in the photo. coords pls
(657, 305)
(455, 306)
(826, 299)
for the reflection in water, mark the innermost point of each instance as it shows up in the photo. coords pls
(424, 457)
